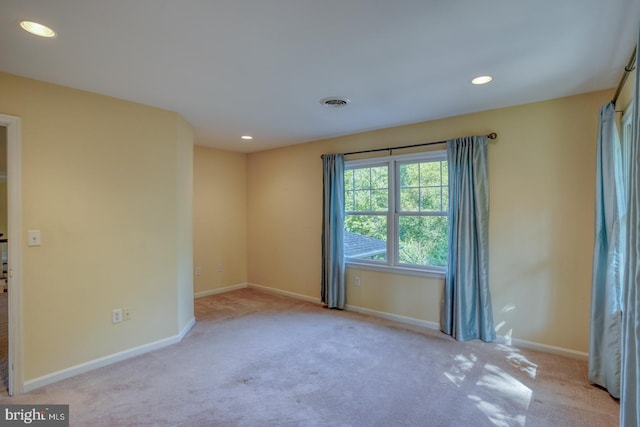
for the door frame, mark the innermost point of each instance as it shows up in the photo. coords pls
(14, 236)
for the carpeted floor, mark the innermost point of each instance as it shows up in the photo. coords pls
(256, 359)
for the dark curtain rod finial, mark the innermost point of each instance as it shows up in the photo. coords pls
(631, 65)
(492, 135)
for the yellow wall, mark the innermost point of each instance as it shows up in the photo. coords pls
(103, 180)
(541, 225)
(220, 222)
(109, 182)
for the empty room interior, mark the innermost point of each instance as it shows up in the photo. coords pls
(169, 255)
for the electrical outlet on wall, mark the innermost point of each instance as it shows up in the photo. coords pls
(116, 315)
(126, 313)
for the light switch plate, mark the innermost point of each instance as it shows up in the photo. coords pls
(33, 238)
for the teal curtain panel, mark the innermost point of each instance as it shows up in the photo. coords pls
(629, 397)
(466, 304)
(333, 265)
(605, 343)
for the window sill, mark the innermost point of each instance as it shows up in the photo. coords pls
(408, 271)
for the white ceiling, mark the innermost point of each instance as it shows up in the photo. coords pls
(260, 67)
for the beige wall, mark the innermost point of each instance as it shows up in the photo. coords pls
(220, 222)
(116, 221)
(541, 226)
(102, 179)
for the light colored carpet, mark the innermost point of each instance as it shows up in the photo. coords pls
(256, 359)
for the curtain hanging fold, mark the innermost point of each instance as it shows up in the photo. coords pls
(333, 265)
(466, 305)
(630, 369)
(608, 261)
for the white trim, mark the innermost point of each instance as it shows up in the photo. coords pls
(107, 360)
(14, 235)
(219, 290)
(395, 317)
(530, 345)
(261, 288)
(183, 333)
(284, 293)
(517, 343)
(407, 271)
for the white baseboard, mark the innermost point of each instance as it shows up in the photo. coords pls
(219, 290)
(183, 333)
(573, 354)
(284, 293)
(396, 317)
(107, 360)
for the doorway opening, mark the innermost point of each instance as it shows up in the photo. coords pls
(12, 133)
(4, 278)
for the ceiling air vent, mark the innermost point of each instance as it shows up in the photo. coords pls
(334, 102)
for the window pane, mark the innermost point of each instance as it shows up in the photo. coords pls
(349, 202)
(421, 186)
(445, 199)
(430, 174)
(409, 175)
(379, 200)
(362, 178)
(379, 178)
(423, 240)
(348, 179)
(362, 200)
(430, 199)
(367, 189)
(409, 199)
(365, 237)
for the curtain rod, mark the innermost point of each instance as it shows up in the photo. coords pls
(492, 135)
(629, 68)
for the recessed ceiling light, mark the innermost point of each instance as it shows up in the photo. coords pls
(481, 80)
(247, 137)
(335, 102)
(37, 29)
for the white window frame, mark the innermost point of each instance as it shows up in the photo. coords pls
(392, 264)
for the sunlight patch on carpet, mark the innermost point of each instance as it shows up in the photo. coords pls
(497, 415)
(462, 365)
(519, 361)
(506, 392)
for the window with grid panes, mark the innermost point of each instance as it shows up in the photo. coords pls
(396, 211)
